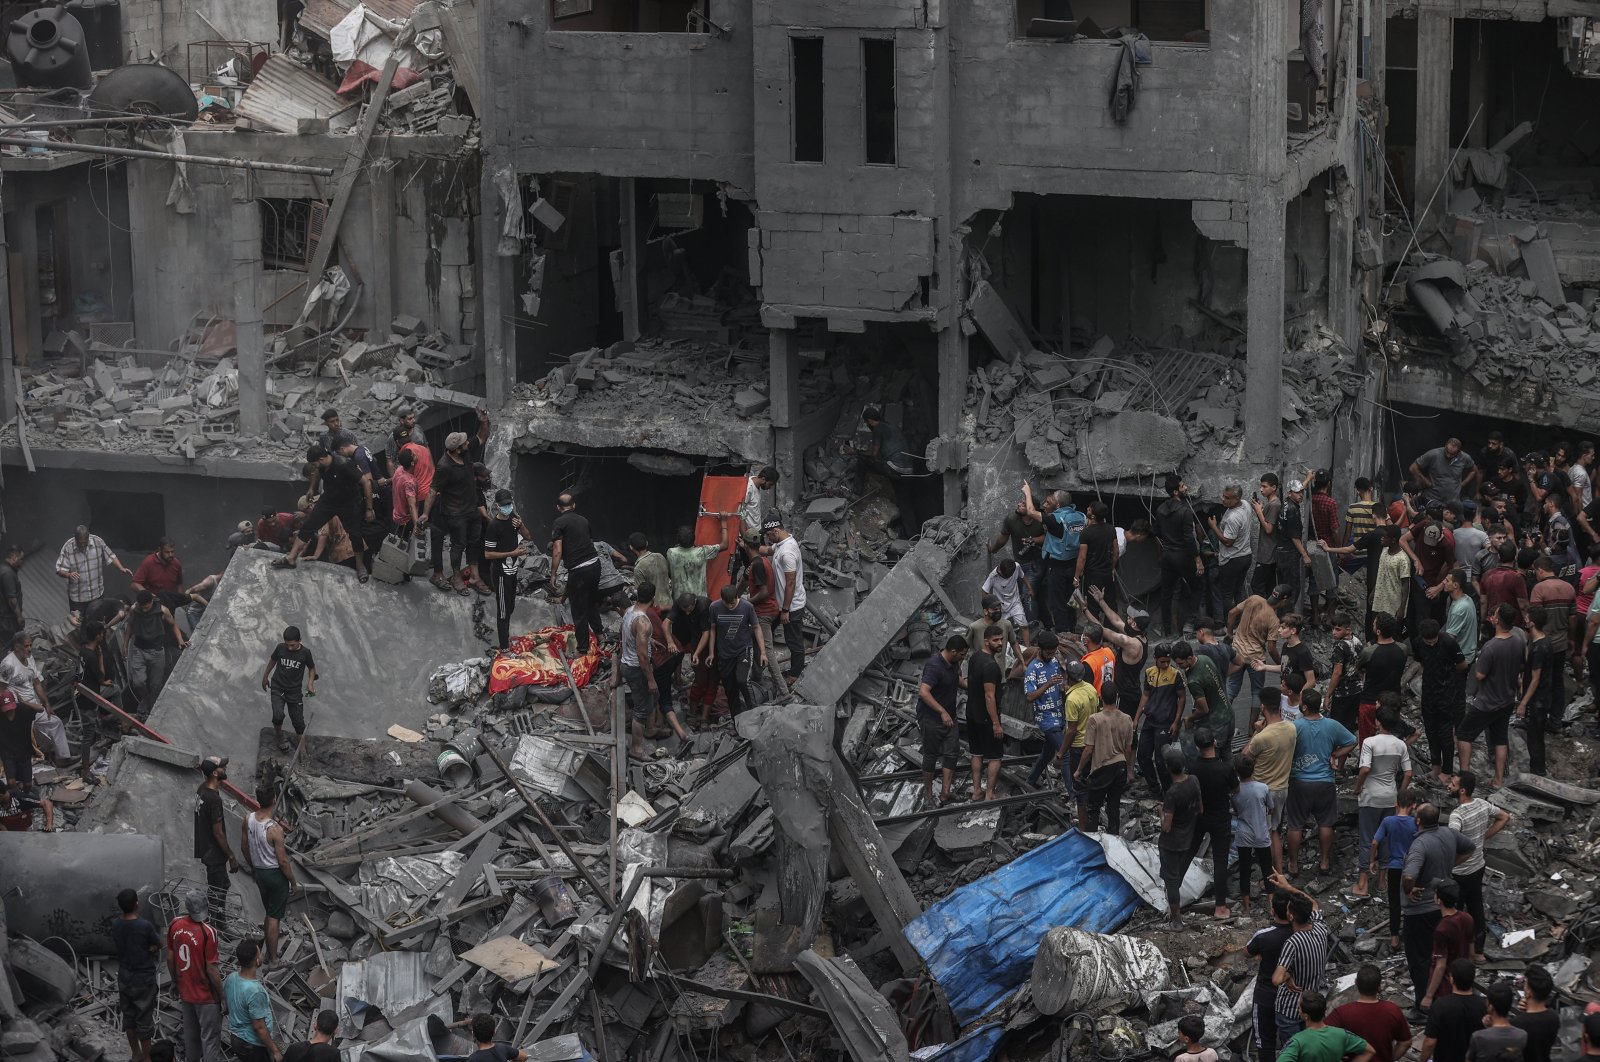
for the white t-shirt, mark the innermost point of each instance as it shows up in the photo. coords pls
(1387, 757)
(750, 508)
(790, 564)
(18, 676)
(1580, 479)
(1008, 591)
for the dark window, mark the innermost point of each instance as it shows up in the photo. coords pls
(806, 63)
(289, 232)
(127, 519)
(877, 63)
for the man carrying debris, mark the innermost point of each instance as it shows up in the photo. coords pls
(289, 663)
(346, 496)
(937, 695)
(137, 943)
(192, 960)
(82, 562)
(261, 841)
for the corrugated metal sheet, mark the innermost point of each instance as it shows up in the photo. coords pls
(320, 16)
(284, 92)
(44, 593)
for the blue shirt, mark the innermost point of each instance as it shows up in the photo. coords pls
(1062, 530)
(1314, 742)
(1397, 831)
(1049, 710)
(247, 1000)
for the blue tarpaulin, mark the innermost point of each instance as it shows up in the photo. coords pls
(980, 941)
(975, 1046)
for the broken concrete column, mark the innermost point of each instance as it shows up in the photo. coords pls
(247, 307)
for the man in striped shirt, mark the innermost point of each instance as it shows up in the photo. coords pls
(82, 563)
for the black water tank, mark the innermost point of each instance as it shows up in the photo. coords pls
(102, 29)
(47, 50)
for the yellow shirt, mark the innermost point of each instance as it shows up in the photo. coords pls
(1273, 752)
(1082, 702)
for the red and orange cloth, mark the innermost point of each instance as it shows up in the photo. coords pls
(532, 660)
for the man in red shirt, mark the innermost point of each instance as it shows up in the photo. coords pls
(192, 961)
(1433, 552)
(1504, 584)
(1377, 1021)
(161, 572)
(762, 587)
(1452, 937)
(275, 528)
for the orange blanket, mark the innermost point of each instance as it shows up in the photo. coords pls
(532, 661)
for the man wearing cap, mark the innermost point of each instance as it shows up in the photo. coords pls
(82, 562)
(1289, 537)
(504, 550)
(1433, 553)
(346, 496)
(791, 569)
(750, 515)
(572, 544)
(1446, 473)
(192, 962)
(455, 500)
(210, 837)
(405, 427)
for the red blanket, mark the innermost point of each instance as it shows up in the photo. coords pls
(532, 661)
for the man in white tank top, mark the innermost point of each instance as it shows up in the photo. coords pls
(261, 844)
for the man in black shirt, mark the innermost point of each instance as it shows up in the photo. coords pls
(1218, 782)
(95, 672)
(1178, 532)
(1181, 809)
(1453, 1018)
(11, 594)
(1444, 684)
(503, 552)
(487, 1049)
(346, 495)
(1265, 947)
(210, 835)
(1097, 556)
(137, 945)
(572, 544)
(985, 736)
(1542, 1024)
(1288, 533)
(685, 628)
(734, 629)
(289, 663)
(456, 499)
(320, 1047)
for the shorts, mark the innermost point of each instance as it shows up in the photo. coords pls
(1280, 805)
(1474, 723)
(939, 742)
(981, 739)
(1318, 801)
(138, 1005)
(19, 768)
(644, 698)
(274, 889)
(294, 707)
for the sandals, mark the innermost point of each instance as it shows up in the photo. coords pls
(440, 582)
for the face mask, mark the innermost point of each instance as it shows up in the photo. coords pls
(505, 510)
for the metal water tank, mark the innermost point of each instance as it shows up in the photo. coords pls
(102, 30)
(47, 50)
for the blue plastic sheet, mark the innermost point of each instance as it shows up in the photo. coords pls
(980, 941)
(975, 1046)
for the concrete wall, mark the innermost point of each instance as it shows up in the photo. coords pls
(419, 261)
(163, 28)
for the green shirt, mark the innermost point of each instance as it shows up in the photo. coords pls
(688, 568)
(1205, 682)
(652, 568)
(1326, 1044)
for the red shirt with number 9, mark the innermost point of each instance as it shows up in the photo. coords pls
(193, 945)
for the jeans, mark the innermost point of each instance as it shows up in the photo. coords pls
(1033, 604)
(1220, 829)
(147, 673)
(794, 636)
(1417, 936)
(1369, 820)
(583, 594)
(1231, 578)
(1177, 570)
(1235, 682)
(734, 672)
(1472, 903)
(202, 1032)
(1052, 745)
(1152, 765)
(1288, 1027)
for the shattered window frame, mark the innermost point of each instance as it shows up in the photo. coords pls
(290, 228)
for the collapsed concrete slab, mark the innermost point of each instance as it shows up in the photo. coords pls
(65, 884)
(1131, 444)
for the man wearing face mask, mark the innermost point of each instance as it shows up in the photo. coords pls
(210, 836)
(503, 552)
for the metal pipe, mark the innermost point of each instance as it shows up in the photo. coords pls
(233, 790)
(981, 805)
(63, 123)
(544, 820)
(167, 156)
(457, 818)
(632, 890)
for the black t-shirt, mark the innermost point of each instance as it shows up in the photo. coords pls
(1097, 541)
(497, 1053)
(456, 486)
(305, 1051)
(16, 733)
(341, 482)
(1554, 481)
(1175, 527)
(1267, 945)
(577, 543)
(735, 628)
(207, 810)
(1383, 669)
(982, 670)
(501, 537)
(1297, 659)
(1542, 657)
(1183, 801)
(687, 627)
(10, 590)
(1451, 1021)
(1218, 781)
(1542, 1027)
(1024, 533)
(1442, 683)
(92, 673)
(1370, 546)
(293, 666)
(132, 940)
(1289, 529)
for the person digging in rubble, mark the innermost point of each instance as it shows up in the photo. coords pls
(1321, 746)
(346, 496)
(320, 1047)
(261, 841)
(572, 544)
(1158, 717)
(192, 965)
(1218, 783)
(937, 695)
(1302, 964)
(289, 664)
(452, 511)
(1454, 1017)
(210, 836)
(985, 735)
(889, 455)
(1319, 1042)
(1181, 809)
(1477, 821)
(733, 632)
(252, 1028)
(1434, 853)
(137, 944)
(637, 667)
(1377, 1021)
(503, 550)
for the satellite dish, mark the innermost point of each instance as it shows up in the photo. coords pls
(144, 88)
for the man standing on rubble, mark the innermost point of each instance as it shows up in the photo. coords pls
(651, 567)
(1499, 674)
(1063, 527)
(289, 664)
(251, 1025)
(1233, 556)
(1106, 767)
(985, 735)
(503, 552)
(937, 695)
(23, 679)
(192, 960)
(1446, 473)
(1266, 506)
(1181, 809)
(1434, 854)
(82, 562)
(1179, 534)
(1477, 821)
(734, 630)
(1218, 782)
(1128, 636)
(1321, 746)
(456, 500)
(1265, 946)
(1253, 623)
(1042, 686)
(1272, 751)
(160, 572)
(261, 841)
(210, 837)
(1303, 963)
(346, 496)
(320, 1047)
(761, 582)
(572, 543)
(1026, 535)
(687, 561)
(1160, 712)
(791, 567)
(137, 943)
